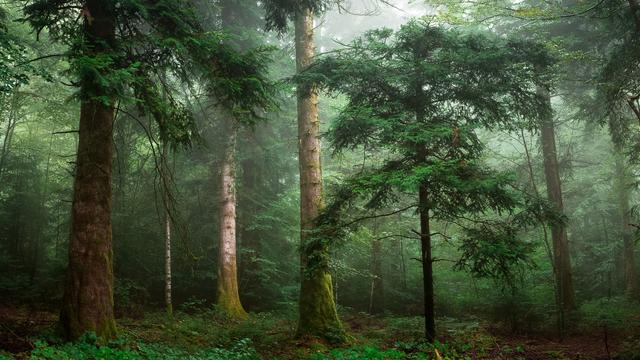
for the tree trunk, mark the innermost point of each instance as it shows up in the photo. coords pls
(561, 255)
(166, 199)
(427, 265)
(376, 301)
(629, 258)
(228, 298)
(88, 297)
(318, 315)
(249, 237)
(167, 264)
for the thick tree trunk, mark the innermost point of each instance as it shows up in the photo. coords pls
(318, 315)
(88, 297)
(561, 254)
(629, 258)
(228, 298)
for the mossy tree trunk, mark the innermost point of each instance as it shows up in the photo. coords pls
(561, 254)
(318, 315)
(228, 298)
(88, 296)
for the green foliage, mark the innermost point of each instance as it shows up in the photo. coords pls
(613, 313)
(420, 96)
(162, 38)
(279, 12)
(367, 353)
(14, 67)
(88, 348)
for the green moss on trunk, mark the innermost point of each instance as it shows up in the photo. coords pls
(318, 315)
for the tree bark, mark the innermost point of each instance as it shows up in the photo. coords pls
(228, 298)
(561, 254)
(167, 228)
(629, 258)
(88, 297)
(318, 315)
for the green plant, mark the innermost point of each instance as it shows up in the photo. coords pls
(89, 349)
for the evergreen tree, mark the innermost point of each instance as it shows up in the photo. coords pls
(118, 52)
(421, 96)
(317, 308)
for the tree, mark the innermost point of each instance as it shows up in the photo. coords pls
(13, 68)
(559, 238)
(240, 18)
(118, 44)
(228, 298)
(376, 298)
(167, 201)
(421, 96)
(317, 308)
(622, 189)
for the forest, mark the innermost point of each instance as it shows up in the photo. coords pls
(319, 179)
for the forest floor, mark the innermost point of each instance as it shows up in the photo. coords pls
(27, 333)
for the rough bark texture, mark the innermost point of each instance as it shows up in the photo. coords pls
(561, 254)
(228, 298)
(629, 258)
(318, 315)
(88, 297)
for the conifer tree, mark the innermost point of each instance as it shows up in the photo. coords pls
(317, 308)
(421, 96)
(118, 51)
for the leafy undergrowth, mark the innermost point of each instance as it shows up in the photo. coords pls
(206, 334)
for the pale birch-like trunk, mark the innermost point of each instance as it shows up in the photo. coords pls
(167, 228)
(228, 297)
